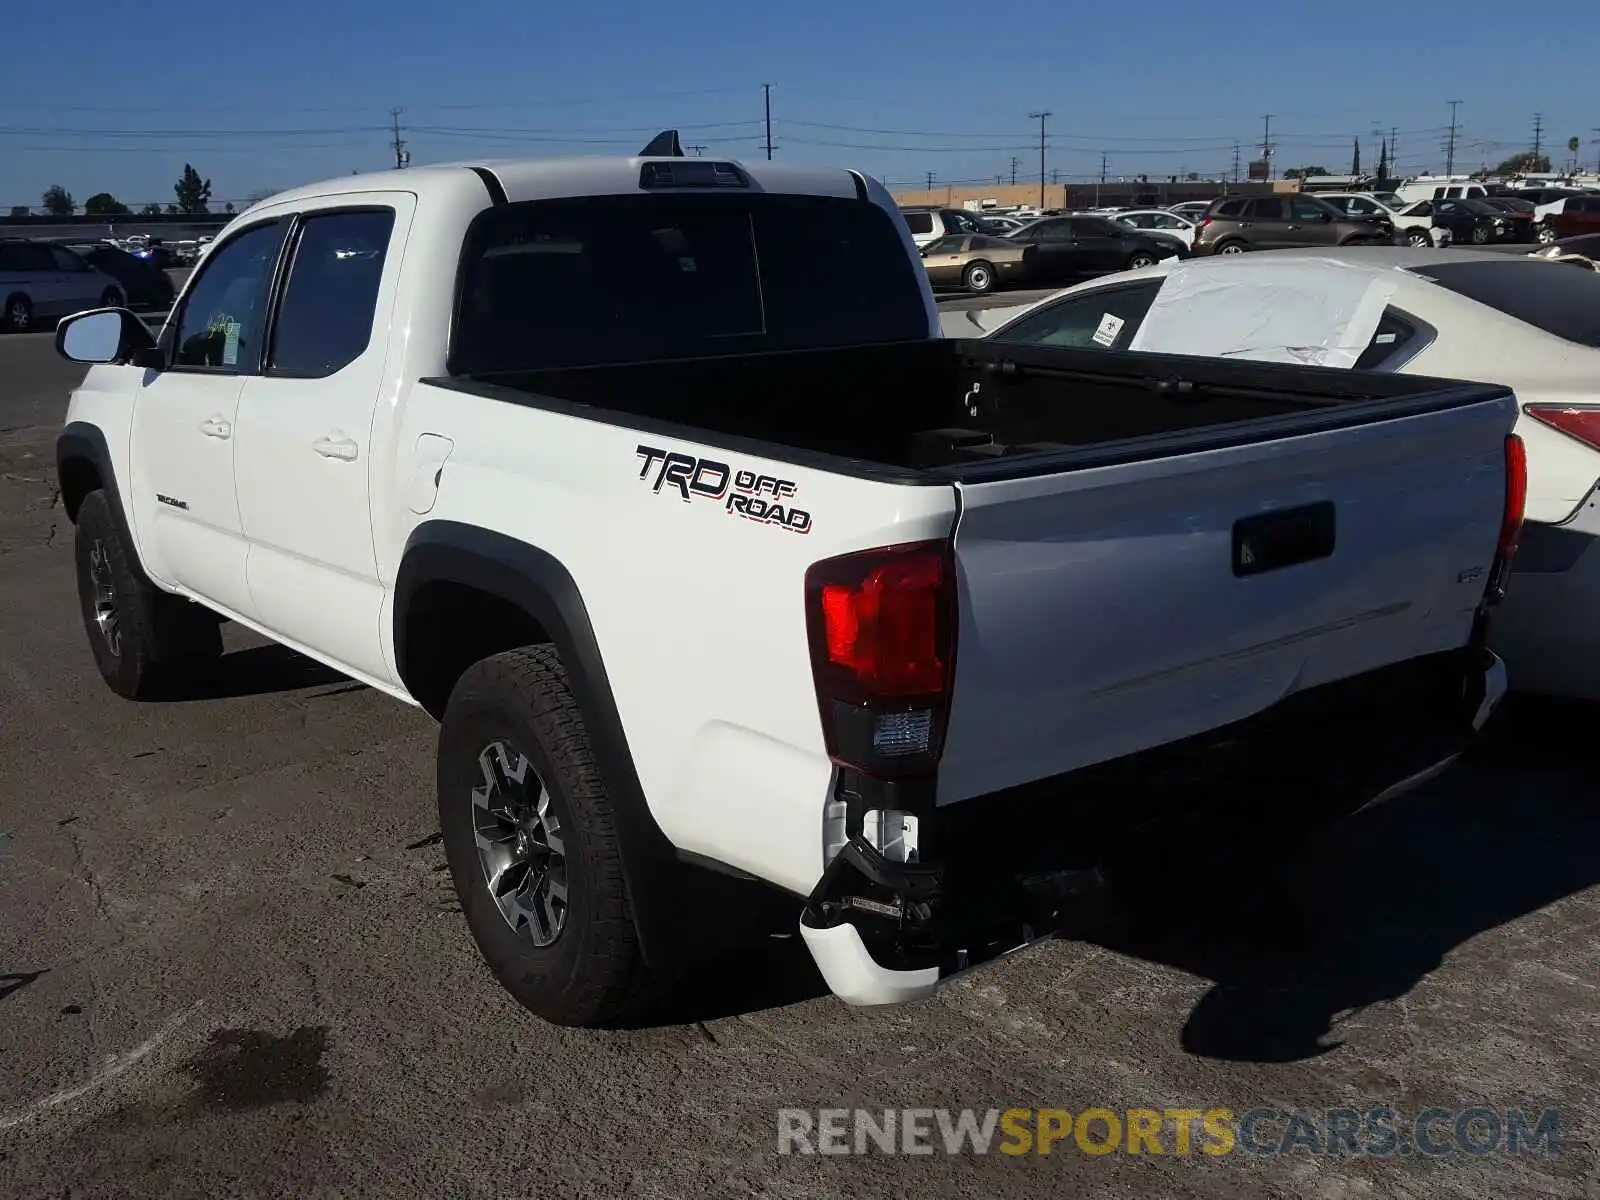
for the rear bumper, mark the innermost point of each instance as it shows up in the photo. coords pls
(997, 873)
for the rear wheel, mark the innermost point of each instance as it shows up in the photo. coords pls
(111, 298)
(1547, 233)
(532, 840)
(1141, 259)
(978, 277)
(143, 639)
(17, 317)
(1480, 235)
(1231, 248)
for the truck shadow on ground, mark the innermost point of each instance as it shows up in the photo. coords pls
(1296, 930)
(257, 671)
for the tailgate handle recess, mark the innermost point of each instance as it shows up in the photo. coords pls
(1272, 541)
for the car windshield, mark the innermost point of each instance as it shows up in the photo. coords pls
(1388, 199)
(632, 278)
(1562, 302)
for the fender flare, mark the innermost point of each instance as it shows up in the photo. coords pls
(542, 587)
(82, 442)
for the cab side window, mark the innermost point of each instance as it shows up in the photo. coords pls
(326, 316)
(225, 312)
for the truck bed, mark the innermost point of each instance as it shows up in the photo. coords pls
(1145, 547)
(958, 408)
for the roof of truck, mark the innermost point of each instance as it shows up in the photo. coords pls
(540, 178)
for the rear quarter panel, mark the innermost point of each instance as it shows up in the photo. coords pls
(698, 612)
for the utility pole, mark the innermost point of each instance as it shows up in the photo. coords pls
(1013, 170)
(1040, 117)
(699, 151)
(1538, 136)
(1102, 182)
(1450, 150)
(1597, 161)
(1266, 143)
(1236, 160)
(766, 100)
(930, 187)
(1394, 153)
(402, 156)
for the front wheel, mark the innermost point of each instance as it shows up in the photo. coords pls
(978, 278)
(531, 836)
(1418, 237)
(111, 298)
(1480, 236)
(1547, 233)
(142, 638)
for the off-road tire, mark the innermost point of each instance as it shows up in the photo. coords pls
(159, 638)
(593, 973)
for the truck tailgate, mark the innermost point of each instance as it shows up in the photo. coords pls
(1108, 609)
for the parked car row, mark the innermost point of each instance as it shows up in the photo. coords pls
(1474, 315)
(41, 281)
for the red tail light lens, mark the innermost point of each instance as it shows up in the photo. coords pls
(1575, 422)
(1204, 222)
(882, 632)
(1516, 495)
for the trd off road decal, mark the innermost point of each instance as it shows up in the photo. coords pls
(761, 498)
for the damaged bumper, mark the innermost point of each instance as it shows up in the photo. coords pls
(891, 919)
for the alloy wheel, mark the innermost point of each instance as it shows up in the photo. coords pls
(106, 617)
(520, 846)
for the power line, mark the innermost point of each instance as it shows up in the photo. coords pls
(1041, 116)
(766, 100)
(402, 156)
(1450, 154)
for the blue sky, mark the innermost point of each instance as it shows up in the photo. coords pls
(98, 95)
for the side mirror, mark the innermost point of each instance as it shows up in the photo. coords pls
(106, 335)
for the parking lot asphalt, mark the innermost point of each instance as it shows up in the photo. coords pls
(231, 964)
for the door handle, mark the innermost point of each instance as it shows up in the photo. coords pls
(216, 427)
(342, 448)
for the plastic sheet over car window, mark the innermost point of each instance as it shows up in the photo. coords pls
(1317, 312)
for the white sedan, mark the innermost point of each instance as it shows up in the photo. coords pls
(1459, 314)
(1158, 220)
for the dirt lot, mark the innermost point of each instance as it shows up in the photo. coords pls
(230, 965)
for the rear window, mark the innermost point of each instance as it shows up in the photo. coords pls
(599, 280)
(1560, 300)
(919, 222)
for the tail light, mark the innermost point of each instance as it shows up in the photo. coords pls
(1205, 222)
(882, 629)
(1580, 423)
(1511, 515)
(1516, 494)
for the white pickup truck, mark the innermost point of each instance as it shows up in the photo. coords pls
(652, 480)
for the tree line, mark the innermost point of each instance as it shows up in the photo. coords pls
(192, 192)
